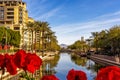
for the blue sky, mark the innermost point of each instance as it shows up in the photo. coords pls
(71, 19)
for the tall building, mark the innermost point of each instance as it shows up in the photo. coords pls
(27, 40)
(82, 38)
(14, 15)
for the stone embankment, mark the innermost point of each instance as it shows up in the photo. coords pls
(48, 55)
(105, 60)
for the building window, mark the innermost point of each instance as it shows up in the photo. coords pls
(1, 13)
(7, 4)
(0, 2)
(20, 9)
(16, 28)
(1, 8)
(10, 17)
(1, 16)
(10, 13)
(20, 21)
(1, 22)
(13, 4)
(8, 22)
(10, 9)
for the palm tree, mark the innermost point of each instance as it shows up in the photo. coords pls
(46, 35)
(37, 29)
(44, 27)
(95, 36)
(31, 27)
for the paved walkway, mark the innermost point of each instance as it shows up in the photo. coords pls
(112, 58)
(105, 60)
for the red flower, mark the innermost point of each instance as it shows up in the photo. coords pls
(109, 73)
(76, 75)
(19, 58)
(51, 77)
(2, 60)
(9, 64)
(32, 63)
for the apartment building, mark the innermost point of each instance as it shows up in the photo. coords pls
(14, 15)
(28, 36)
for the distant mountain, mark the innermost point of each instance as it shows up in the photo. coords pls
(63, 46)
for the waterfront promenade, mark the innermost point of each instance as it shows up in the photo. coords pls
(105, 60)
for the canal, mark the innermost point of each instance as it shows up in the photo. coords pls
(62, 63)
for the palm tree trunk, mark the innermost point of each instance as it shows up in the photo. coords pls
(35, 42)
(43, 43)
(39, 41)
(32, 42)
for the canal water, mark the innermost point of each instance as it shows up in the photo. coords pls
(62, 63)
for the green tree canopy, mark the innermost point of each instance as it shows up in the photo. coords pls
(107, 40)
(12, 37)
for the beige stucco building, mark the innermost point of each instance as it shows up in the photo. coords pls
(14, 15)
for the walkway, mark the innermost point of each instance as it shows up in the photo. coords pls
(105, 60)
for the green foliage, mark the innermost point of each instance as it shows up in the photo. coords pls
(47, 39)
(78, 60)
(27, 76)
(54, 46)
(13, 37)
(107, 40)
(79, 45)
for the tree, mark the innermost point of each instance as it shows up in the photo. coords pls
(79, 46)
(13, 37)
(107, 40)
(95, 36)
(31, 27)
(46, 35)
(114, 39)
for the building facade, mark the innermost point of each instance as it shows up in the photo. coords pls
(14, 15)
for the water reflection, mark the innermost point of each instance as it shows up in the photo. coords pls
(69, 61)
(48, 66)
(62, 63)
(78, 60)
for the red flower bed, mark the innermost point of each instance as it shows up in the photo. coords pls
(109, 73)
(20, 59)
(32, 62)
(50, 77)
(9, 64)
(76, 75)
(2, 61)
(6, 61)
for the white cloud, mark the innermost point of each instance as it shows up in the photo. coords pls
(49, 14)
(115, 14)
(68, 33)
